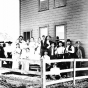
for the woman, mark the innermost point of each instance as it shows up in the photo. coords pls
(16, 56)
(38, 46)
(32, 47)
(47, 43)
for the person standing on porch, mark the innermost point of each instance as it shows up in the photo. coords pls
(43, 48)
(16, 56)
(69, 53)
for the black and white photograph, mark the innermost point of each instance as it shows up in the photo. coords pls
(43, 43)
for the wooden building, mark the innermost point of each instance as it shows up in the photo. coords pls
(70, 16)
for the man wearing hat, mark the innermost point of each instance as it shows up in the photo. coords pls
(43, 48)
(69, 53)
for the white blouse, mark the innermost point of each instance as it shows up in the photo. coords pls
(60, 50)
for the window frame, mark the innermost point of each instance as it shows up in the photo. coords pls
(39, 6)
(59, 6)
(65, 29)
(44, 26)
(31, 33)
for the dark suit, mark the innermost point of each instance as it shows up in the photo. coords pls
(2, 52)
(43, 48)
(52, 53)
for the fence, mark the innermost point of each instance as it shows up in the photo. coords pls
(43, 72)
(74, 69)
(20, 70)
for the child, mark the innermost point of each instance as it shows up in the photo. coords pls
(23, 57)
(55, 71)
(46, 57)
(26, 64)
(16, 56)
(27, 53)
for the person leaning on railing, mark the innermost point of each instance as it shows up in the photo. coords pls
(69, 53)
(78, 51)
(47, 58)
(78, 54)
(60, 52)
(60, 55)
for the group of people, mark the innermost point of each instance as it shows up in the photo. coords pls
(41, 48)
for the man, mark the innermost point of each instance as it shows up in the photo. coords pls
(43, 48)
(69, 53)
(52, 51)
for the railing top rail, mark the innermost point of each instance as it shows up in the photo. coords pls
(11, 59)
(46, 61)
(64, 60)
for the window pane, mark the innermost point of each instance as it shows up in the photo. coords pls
(43, 31)
(59, 3)
(43, 5)
(60, 31)
(24, 36)
(28, 35)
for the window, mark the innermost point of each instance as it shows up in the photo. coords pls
(59, 3)
(27, 35)
(43, 31)
(60, 32)
(43, 5)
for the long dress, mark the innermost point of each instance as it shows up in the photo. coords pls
(16, 57)
(32, 50)
(37, 51)
(27, 61)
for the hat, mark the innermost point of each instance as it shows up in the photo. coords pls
(1, 41)
(60, 42)
(57, 38)
(68, 40)
(9, 42)
(77, 42)
(20, 36)
(43, 35)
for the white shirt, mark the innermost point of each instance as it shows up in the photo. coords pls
(48, 44)
(23, 45)
(55, 71)
(28, 55)
(46, 57)
(60, 50)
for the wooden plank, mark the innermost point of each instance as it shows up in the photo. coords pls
(61, 71)
(58, 81)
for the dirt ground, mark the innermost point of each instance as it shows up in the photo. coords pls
(9, 83)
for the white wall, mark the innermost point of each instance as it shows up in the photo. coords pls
(9, 19)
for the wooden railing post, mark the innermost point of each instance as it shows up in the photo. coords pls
(44, 76)
(74, 72)
(0, 63)
(41, 73)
